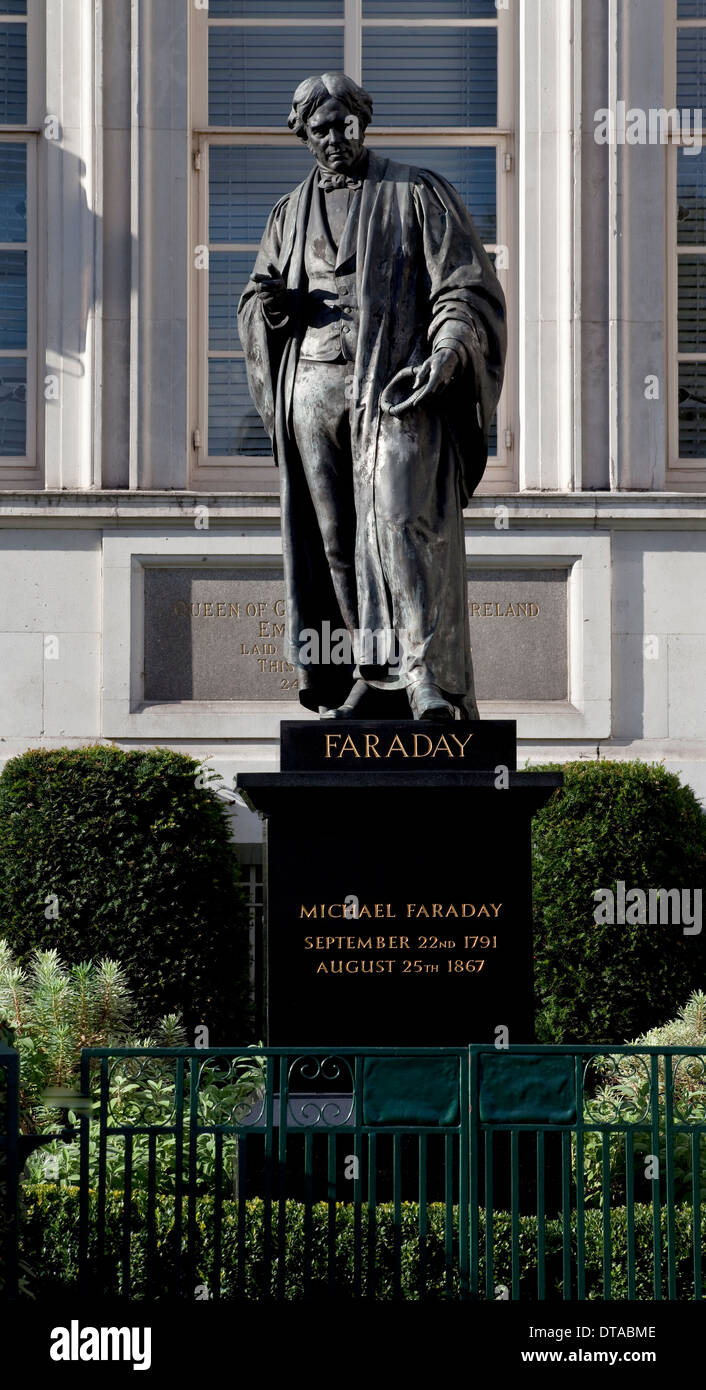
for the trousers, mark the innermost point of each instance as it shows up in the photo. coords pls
(414, 561)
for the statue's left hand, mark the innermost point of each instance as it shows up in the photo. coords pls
(433, 376)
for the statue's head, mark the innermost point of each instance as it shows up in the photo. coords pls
(331, 113)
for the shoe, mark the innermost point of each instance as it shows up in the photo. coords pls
(349, 709)
(427, 702)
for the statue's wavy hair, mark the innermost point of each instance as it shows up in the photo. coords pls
(313, 91)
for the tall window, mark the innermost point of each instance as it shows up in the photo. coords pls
(17, 251)
(439, 74)
(688, 260)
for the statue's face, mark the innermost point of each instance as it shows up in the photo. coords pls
(334, 136)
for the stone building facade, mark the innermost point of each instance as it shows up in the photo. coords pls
(141, 144)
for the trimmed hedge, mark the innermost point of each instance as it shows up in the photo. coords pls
(628, 821)
(50, 1248)
(141, 862)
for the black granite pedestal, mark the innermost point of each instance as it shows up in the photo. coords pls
(398, 893)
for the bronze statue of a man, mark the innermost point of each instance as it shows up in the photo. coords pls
(374, 334)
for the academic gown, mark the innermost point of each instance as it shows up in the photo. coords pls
(422, 278)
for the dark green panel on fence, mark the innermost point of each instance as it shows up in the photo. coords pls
(527, 1090)
(411, 1091)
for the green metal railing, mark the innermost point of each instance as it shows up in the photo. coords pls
(403, 1173)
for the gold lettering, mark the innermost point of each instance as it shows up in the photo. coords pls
(345, 749)
(308, 911)
(399, 749)
(415, 741)
(371, 745)
(461, 742)
(181, 609)
(329, 741)
(279, 607)
(447, 749)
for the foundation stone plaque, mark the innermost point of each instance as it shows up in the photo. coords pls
(217, 633)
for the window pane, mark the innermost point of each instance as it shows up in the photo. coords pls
(234, 426)
(419, 9)
(252, 73)
(691, 199)
(246, 182)
(13, 299)
(471, 171)
(691, 9)
(692, 304)
(691, 68)
(432, 76)
(13, 192)
(13, 408)
(302, 9)
(13, 6)
(692, 410)
(13, 74)
(493, 438)
(228, 272)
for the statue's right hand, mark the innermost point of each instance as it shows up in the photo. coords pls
(271, 291)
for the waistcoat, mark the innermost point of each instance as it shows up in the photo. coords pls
(332, 315)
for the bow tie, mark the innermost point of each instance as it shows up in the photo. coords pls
(328, 182)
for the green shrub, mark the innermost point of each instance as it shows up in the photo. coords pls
(50, 1247)
(628, 821)
(128, 855)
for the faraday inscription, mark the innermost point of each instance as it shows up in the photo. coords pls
(218, 633)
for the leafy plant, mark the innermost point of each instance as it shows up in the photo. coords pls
(53, 1011)
(624, 1095)
(143, 1090)
(627, 821)
(128, 854)
(323, 1241)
